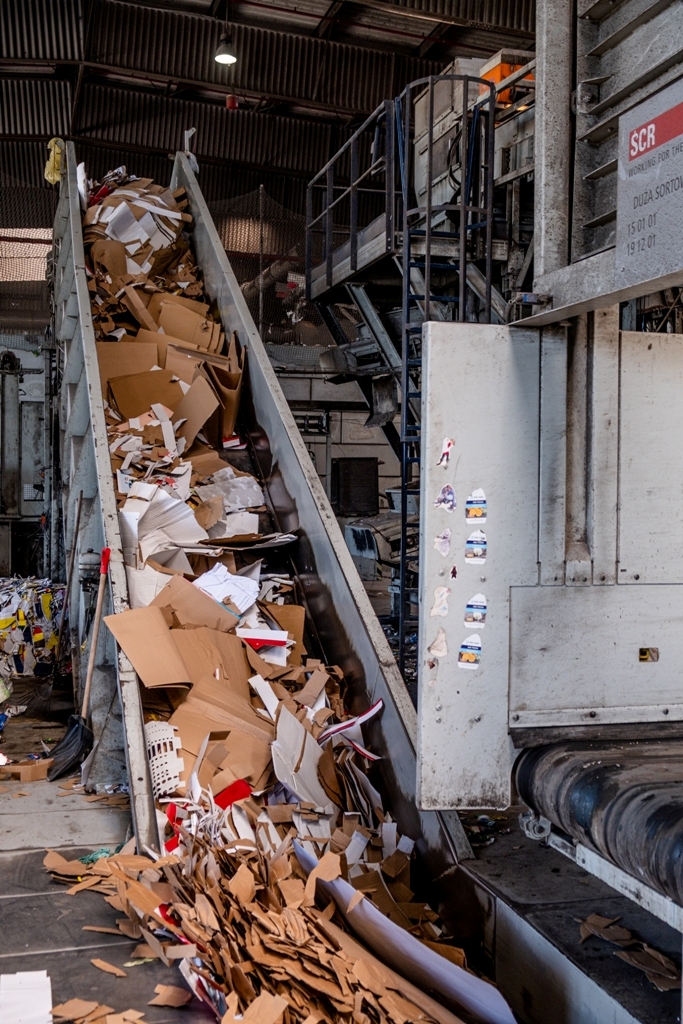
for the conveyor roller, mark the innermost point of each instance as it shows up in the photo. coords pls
(623, 801)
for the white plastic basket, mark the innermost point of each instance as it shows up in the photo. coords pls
(164, 761)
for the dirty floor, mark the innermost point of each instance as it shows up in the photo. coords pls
(41, 926)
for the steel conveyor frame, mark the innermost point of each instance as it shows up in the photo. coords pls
(337, 603)
(85, 466)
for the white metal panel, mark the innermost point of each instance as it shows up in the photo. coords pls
(480, 387)
(650, 462)
(575, 655)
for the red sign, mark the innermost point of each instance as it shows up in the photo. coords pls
(657, 132)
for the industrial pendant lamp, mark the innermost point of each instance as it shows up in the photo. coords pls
(224, 52)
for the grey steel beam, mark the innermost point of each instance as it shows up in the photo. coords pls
(553, 147)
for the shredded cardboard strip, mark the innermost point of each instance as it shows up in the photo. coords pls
(662, 972)
(250, 742)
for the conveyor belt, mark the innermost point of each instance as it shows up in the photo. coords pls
(624, 801)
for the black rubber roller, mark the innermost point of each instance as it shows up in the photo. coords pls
(625, 801)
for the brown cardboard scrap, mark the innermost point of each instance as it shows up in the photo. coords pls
(603, 928)
(658, 969)
(135, 393)
(192, 607)
(73, 1009)
(147, 642)
(134, 303)
(209, 512)
(155, 303)
(242, 885)
(102, 965)
(327, 869)
(170, 995)
(161, 343)
(195, 408)
(185, 324)
(57, 864)
(123, 357)
(452, 953)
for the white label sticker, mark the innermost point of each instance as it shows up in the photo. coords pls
(476, 548)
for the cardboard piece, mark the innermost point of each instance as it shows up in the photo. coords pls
(295, 761)
(170, 995)
(291, 618)
(161, 341)
(135, 393)
(111, 255)
(131, 299)
(185, 324)
(27, 771)
(191, 607)
(226, 377)
(196, 407)
(144, 637)
(206, 651)
(154, 307)
(116, 359)
(181, 360)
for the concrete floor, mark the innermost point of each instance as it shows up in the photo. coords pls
(41, 927)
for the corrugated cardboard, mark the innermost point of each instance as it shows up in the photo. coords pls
(185, 324)
(196, 407)
(120, 358)
(191, 608)
(226, 374)
(204, 650)
(111, 255)
(162, 341)
(182, 360)
(131, 299)
(290, 617)
(135, 393)
(154, 307)
(27, 771)
(144, 637)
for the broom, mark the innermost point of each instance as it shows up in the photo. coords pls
(77, 741)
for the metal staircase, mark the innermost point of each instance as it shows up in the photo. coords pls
(346, 247)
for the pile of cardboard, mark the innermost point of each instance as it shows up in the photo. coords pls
(258, 769)
(30, 611)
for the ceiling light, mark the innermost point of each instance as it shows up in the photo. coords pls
(224, 53)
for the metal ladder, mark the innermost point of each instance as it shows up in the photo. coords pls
(418, 263)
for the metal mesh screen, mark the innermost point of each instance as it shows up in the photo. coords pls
(266, 244)
(26, 216)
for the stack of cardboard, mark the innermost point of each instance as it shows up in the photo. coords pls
(269, 755)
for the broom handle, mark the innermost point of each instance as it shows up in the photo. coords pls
(69, 577)
(104, 569)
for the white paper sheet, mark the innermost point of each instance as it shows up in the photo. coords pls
(25, 998)
(265, 691)
(295, 761)
(144, 585)
(218, 583)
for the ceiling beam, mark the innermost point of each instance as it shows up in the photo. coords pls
(434, 36)
(323, 29)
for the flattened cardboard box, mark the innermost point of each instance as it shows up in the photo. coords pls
(124, 358)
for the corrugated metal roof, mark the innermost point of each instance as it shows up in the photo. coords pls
(124, 117)
(41, 29)
(519, 15)
(30, 107)
(275, 64)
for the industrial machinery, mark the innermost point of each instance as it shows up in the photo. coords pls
(544, 433)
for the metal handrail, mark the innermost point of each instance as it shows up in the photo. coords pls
(324, 179)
